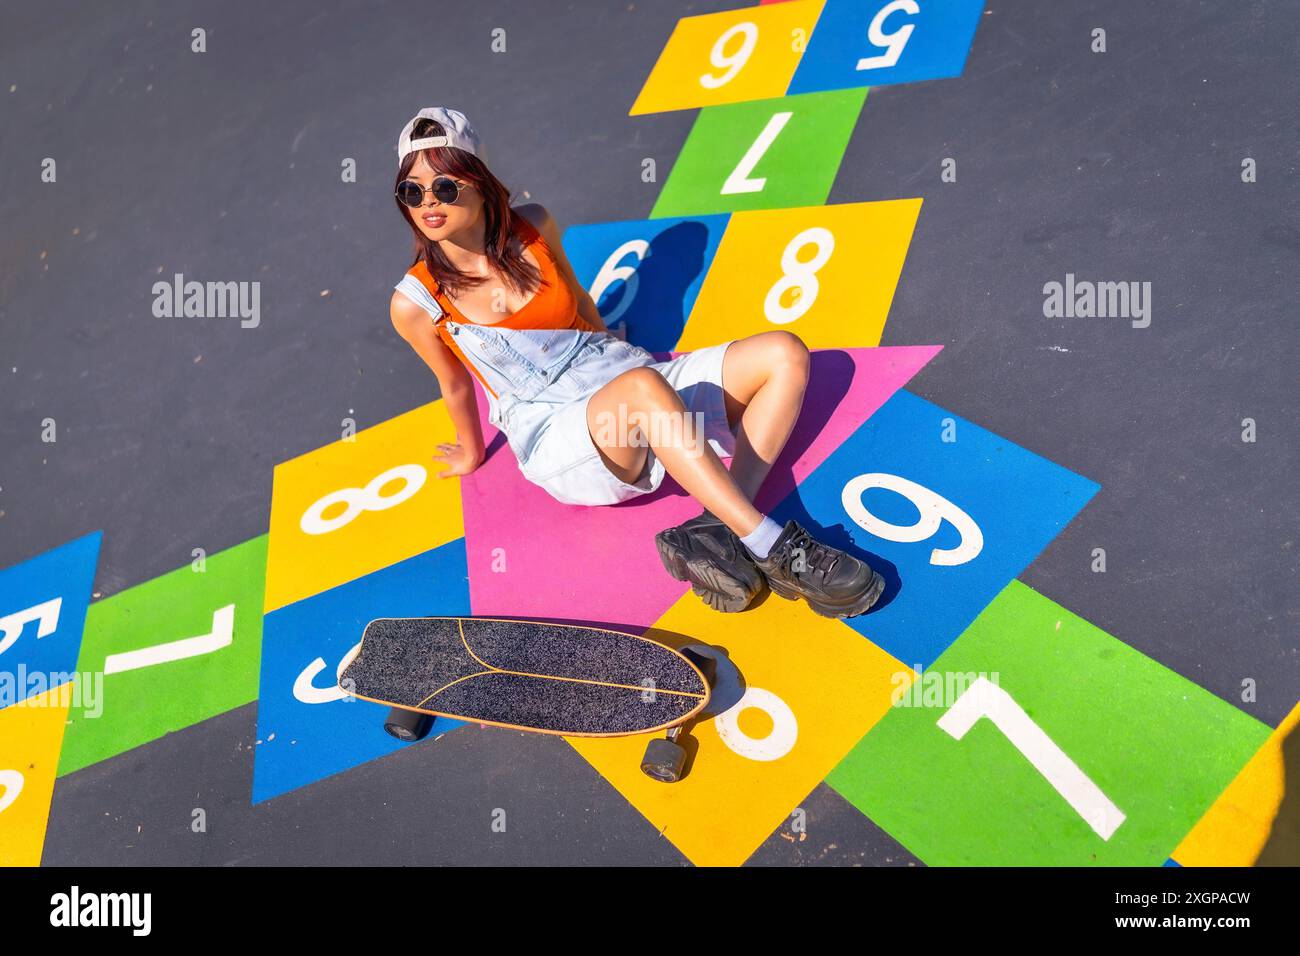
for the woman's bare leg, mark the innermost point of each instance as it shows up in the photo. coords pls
(764, 378)
(653, 412)
(764, 375)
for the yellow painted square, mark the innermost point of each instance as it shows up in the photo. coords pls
(1233, 831)
(359, 520)
(750, 54)
(825, 273)
(31, 733)
(826, 683)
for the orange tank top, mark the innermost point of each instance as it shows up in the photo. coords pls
(553, 305)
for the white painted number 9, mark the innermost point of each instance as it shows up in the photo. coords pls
(934, 510)
(730, 63)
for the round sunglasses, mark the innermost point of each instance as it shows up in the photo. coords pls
(444, 189)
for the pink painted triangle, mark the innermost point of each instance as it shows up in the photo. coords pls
(531, 556)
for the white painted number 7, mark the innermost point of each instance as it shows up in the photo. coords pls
(983, 698)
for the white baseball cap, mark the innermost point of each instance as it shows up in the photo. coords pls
(459, 133)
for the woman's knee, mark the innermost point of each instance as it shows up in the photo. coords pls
(643, 381)
(619, 408)
(789, 348)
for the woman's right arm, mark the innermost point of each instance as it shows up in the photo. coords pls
(412, 324)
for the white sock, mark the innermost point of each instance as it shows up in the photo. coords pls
(759, 541)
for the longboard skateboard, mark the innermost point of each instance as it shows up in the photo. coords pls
(530, 675)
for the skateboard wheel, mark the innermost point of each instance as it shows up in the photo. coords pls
(663, 760)
(407, 725)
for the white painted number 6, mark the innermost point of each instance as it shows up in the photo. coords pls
(933, 508)
(612, 272)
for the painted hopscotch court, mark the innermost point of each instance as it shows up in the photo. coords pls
(1086, 653)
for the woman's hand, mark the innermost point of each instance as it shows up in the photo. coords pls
(459, 460)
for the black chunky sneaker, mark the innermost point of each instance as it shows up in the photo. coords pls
(707, 553)
(834, 583)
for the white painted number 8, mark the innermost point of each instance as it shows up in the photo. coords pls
(934, 510)
(801, 276)
(363, 499)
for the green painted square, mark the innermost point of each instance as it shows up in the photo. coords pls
(144, 703)
(1158, 746)
(799, 165)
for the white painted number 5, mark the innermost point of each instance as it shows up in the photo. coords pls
(892, 42)
(47, 613)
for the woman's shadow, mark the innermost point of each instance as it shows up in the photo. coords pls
(1282, 848)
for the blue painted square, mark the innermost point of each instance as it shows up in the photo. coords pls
(645, 272)
(932, 38)
(43, 605)
(992, 508)
(318, 731)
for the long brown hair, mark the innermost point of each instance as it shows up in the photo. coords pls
(500, 245)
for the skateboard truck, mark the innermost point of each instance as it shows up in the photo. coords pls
(664, 757)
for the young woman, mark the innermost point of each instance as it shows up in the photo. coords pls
(593, 419)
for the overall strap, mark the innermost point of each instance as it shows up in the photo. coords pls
(414, 288)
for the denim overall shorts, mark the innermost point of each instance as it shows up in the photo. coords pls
(542, 379)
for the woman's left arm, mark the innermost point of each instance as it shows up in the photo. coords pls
(550, 231)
